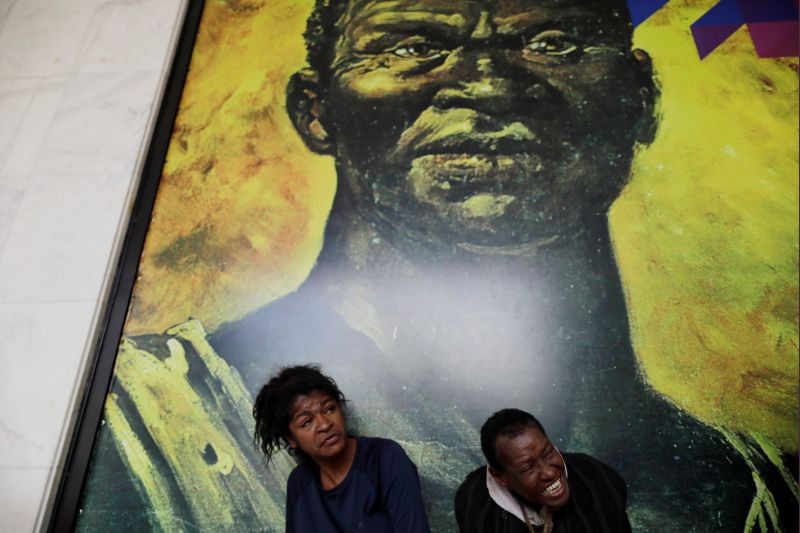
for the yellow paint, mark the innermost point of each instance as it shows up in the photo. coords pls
(196, 432)
(706, 234)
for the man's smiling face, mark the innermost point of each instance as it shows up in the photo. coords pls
(483, 123)
(532, 468)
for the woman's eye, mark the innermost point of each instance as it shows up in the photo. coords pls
(553, 43)
(305, 423)
(422, 49)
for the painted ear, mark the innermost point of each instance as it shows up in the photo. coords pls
(305, 108)
(649, 93)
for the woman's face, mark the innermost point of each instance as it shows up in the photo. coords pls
(317, 426)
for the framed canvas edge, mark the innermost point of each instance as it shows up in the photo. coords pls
(60, 510)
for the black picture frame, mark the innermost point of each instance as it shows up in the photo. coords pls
(89, 408)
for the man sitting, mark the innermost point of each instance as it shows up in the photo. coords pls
(529, 486)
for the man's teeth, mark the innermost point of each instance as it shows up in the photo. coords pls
(555, 488)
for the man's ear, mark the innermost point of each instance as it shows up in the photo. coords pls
(498, 476)
(305, 108)
(649, 93)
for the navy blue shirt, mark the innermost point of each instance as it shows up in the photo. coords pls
(379, 494)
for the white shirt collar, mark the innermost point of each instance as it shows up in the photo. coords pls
(507, 501)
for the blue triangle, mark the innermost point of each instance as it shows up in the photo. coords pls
(642, 9)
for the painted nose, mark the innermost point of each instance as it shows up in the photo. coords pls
(483, 83)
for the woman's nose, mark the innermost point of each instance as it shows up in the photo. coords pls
(323, 424)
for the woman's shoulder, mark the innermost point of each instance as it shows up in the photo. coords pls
(300, 478)
(384, 456)
(379, 446)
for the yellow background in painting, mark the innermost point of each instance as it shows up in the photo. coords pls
(706, 234)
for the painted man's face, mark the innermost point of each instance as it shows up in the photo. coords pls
(483, 123)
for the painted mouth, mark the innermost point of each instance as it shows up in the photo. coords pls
(485, 144)
(458, 176)
(554, 489)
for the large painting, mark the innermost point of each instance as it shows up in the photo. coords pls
(459, 206)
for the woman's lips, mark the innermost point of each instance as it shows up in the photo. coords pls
(330, 440)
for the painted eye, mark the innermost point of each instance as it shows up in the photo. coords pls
(420, 49)
(552, 43)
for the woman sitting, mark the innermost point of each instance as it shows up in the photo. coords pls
(342, 483)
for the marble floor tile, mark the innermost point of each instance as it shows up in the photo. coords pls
(21, 492)
(100, 123)
(129, 35)
(41, 350)
(10, 198)
(5, 7)
(27, 106)
(60, 243)
(43, 37)
(16, 96)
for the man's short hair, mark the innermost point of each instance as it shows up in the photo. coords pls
(321, 32)
(508, 423)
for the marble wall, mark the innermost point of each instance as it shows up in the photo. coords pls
(79, 85)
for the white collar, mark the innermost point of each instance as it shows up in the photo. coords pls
(507, 501)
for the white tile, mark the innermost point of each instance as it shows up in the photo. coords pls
(100, 123)
(10, 198)
(15, 99)
(14, 181)
(41, 348)
(129, 35)
(27, 106)
(21, 492)
(5, 7)
(43, 37)
(60, 243)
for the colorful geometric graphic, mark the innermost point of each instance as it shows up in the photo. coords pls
(642, 9)
(773, 24)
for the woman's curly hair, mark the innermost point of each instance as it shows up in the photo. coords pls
(273, 406)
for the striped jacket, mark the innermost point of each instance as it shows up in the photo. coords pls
(596, 504)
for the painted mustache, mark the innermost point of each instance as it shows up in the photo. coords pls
(464, 131)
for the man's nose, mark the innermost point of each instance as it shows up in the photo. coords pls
(484, 82)
(548, 471)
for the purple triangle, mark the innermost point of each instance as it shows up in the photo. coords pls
(708, 38)
(776, 39)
